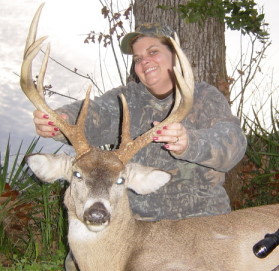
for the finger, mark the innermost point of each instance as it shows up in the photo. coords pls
(169, 133)
(64, 116)
(173, 126)
(155, 123)
(44, 126)
(41, 121)
(39, 115)
(178, 148)
(47, 134)
(167, 139)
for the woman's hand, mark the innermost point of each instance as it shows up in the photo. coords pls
(44, 126)
(174, 135)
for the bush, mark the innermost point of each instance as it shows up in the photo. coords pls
(33, 224)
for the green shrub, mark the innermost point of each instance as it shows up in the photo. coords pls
(33, 223)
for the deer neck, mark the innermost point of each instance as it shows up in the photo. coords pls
(92, 250)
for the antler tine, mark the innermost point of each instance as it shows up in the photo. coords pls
(183, 104)
(126, 140)
(185, 65)
(125, 131)
(177, 64)
(33, 30)
(74, 133)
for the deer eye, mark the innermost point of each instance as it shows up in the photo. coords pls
(120, 180)
(77, 175)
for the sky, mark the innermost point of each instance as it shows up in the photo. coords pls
(67, 23)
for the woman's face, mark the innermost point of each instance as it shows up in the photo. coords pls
(154, 65)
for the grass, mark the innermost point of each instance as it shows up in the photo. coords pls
(53, 263)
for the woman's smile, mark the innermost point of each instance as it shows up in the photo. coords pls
(150, 70)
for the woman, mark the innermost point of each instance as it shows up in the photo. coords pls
(198, 151)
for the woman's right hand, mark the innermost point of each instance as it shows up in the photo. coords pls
(44, 126)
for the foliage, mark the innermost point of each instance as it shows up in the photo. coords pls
(11, 173)
(51, 262)
(261, 184)
(238, 15)
(33, 223)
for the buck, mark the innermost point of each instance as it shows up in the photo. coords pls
(103, 233)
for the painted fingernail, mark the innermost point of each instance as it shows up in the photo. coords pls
(165, 127)
(53, 134)
(50, 123)
(45, 116)
(56, 129)
(166, 146)
(155, 138)
(159, 132)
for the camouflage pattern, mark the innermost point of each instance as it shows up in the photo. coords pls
(216, 144)
(147, 29)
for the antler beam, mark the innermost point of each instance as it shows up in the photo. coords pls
(35, 93)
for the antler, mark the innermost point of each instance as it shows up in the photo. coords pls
(35, 93)
(183, 103)
(75, 133)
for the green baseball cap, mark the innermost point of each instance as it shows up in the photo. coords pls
(148, 29)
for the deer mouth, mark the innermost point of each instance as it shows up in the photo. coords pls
(96, 217)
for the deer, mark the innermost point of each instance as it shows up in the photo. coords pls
(103, 233)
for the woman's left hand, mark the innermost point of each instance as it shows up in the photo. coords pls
(174, 135)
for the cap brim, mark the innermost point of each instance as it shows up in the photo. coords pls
(125, 44)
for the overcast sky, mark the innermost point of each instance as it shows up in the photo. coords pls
(66, 23)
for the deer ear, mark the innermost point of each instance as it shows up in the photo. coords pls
(144, 180)
(50, 167)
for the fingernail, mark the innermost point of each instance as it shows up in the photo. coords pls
(166, 146)
(50, 123)
(155, 138)
(56, 129)
(159, 132)
(45, 116)
(53, 134)
(165, 127)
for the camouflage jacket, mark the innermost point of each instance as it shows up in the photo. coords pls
(216, 144)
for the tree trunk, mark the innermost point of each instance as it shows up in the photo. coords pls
(204, 43)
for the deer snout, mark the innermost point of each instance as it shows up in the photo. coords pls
(97, 214)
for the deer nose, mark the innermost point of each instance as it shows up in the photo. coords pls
(96, 214)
